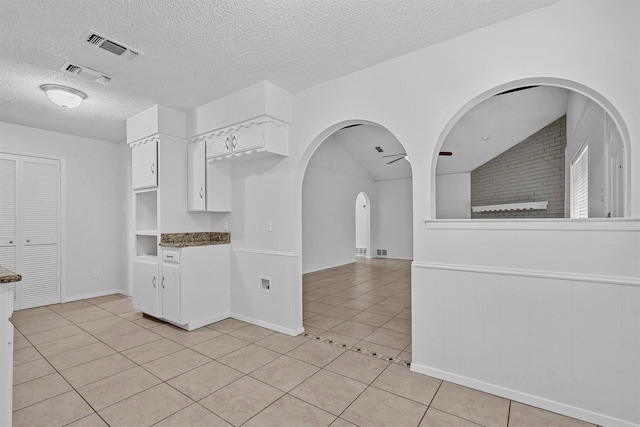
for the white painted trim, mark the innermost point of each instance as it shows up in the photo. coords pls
(550, 405)
(190, 326)
(265, 252)
(546, 224)
(272, 326)
(95, 294)
(612, 280)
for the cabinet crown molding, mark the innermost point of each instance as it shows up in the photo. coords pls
(156, 137)
(239, 126)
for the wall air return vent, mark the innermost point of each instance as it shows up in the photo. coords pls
(110, 45)
(86, 73)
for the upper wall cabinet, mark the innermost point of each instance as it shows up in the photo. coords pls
(145, 165)
(257, 137)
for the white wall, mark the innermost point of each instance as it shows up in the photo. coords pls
(394, 218)
(331, 185)
(453, 196)
(93, 206)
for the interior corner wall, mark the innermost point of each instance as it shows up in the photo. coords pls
(453, 196)
(92, 209)
(530, 171)
(394, 218)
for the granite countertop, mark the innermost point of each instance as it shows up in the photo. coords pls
(182, 240)
(7, 275)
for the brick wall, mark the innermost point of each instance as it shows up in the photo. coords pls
(531, 171)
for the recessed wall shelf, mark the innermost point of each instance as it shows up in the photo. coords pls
(511, 207)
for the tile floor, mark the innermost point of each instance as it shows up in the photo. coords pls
(99, 362)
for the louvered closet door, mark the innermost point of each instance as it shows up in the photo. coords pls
(35, 221)
(9, 214)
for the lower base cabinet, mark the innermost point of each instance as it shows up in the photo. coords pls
(6, 355)
(189, 288)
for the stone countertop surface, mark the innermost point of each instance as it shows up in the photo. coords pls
(183, 240)
(7, 276)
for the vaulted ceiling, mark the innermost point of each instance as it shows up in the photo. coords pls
(192, 52)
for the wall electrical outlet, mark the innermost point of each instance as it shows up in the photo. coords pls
(269, 226)
(265, 284)
(96, 273)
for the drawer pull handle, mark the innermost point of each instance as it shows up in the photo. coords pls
(154, 281)
(169, 256)
(226, 143)
(28, 240)
(201, 192)
(162, 283)
(234, 141)
(153, 168)
(10, 241)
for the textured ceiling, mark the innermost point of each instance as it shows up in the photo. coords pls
(198, 51)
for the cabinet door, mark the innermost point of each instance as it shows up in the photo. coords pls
(249, 138)
(145, 287)
(145, 165)
(218, 145)
(196, 192)
(171, 292)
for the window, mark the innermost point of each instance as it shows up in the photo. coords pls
(580, 184)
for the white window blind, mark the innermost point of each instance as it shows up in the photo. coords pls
(580, 185)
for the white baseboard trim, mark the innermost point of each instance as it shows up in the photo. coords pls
(265, 252)
(190, 326)
(272, 326)
(94, 295)
(550, 405)
(612, 280)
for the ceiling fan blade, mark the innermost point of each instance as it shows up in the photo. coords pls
(393, 155)
(393, 161)
(445, 153)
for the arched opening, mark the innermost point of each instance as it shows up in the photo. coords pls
(347, 298)
(533, 149)
(363, 225)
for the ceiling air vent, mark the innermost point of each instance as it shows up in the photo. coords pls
(110, 45)
(86, 73)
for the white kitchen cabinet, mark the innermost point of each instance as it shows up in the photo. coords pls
(190, 289)
(209, 184)
(6, 354)
(257, 137)
(144, 165)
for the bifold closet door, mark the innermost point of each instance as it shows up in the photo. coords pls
(30, 227)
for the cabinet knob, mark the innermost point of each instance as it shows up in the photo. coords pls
(162, 282)
(226, 143)
(10, 241)
(28, 240)
(234, 141)
(153, 168)
(154, 281)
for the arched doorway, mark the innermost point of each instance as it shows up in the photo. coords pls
(366, 302)
(363, 225)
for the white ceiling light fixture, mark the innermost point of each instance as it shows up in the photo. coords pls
(64, 96)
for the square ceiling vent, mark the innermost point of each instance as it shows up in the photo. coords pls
(110, 45)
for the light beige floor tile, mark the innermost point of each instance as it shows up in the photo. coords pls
(284, 373)
(360, 367)
(342, 312)
(251, 333)
(281, 343)
(132, 315)
(405, 314)
(37, 390)
(115, 388)
(20, 342)
(118, 307)
(118, 330)
(524, 416)
(151, 351)
(248, 359)
(220, 346)
(31, 370)
(400, 380)
(317, 306)
(105, 298)
(146, 408)
(227, 325)
(167, 330)
(333, 300)
(332, 337)
(66, 311)
(34, 328)
(316, 353)
(385, 309)
(50, 348)
(313, 331)
(241, 400)
(25, 355)
(193, 416)
(88, 316)
(147, 321)
(94, 325)
(97, 369)
(92, 420)
(370, 298)
(472, 405)
(399, 324)
(435, 418)
(175, 364)
(373, 319)
(353, 329)
(289, 411)
(19, 314)
(378, 349)
(406, 356)
(54, 334)
(57, 411)
(48, 317)
(205, 379)
(357, 304)
(328, 391)
(339, 422)
(192, 338)
(77, 356)
(323, 322)
(389, 338)
(375, 408)
(125, 342)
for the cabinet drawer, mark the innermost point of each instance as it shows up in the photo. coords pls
(171, 256)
